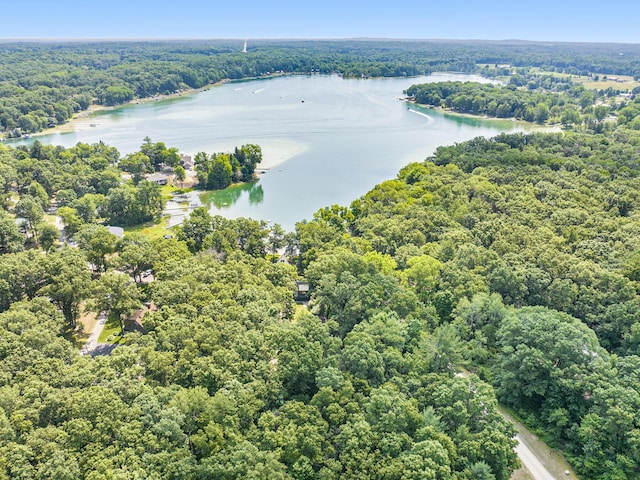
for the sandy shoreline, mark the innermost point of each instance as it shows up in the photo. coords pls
(275, 154)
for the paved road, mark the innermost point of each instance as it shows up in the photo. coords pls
(542, 462)
(532, 458)
(531, 462)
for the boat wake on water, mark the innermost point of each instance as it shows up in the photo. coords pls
(429, 117)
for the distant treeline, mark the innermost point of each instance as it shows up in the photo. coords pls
(44, 84)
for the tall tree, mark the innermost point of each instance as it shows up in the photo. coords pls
(31, 211)
(136, 254)
(98, 243)
(116, 293)
(11, 240)
(68, 281)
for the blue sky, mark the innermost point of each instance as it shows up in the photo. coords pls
(544, 20)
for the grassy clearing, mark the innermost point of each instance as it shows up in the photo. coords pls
(626, 83)
(152, 230)
(539, 71)
(300, 311)
(49, 218)
(111, 331)
(85, 325)
(604, 84)
(167, 191)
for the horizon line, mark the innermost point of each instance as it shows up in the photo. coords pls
(337, 38)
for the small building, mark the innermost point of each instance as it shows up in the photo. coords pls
(159, 178)
(303, 291)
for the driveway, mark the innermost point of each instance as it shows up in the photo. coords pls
(92, 347)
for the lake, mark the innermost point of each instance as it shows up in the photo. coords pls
(325, 140)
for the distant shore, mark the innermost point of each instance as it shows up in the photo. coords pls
(84, 120)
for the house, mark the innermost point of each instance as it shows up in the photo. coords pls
(159, 178)
(186, 161)
(302, 291)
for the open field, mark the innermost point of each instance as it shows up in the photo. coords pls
(625, 83)
(604, 81)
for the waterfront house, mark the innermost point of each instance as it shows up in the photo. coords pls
(186, 161)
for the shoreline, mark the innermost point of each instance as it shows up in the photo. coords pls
(529, 125)
(82, 118)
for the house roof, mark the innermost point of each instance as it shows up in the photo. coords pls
(118, 231)
(157, 177)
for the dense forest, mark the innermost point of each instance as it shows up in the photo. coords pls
(229, 379)
(516, 258)
(43, 84)
(527, 246)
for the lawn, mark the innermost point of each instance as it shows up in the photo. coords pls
(152, 230)
(300, 311)
(111, 331)
(628, 85)
(169, 190)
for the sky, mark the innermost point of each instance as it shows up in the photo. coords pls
(541, 20)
